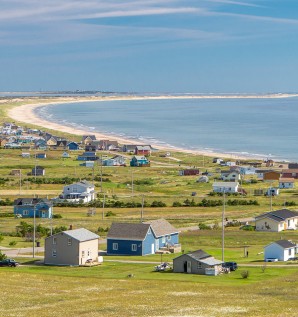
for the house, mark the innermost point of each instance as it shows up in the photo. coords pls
(25, 155)
(189, 172)
(50, 140)
(217, 160)
(117, 160)
(141, 238)
(260, 173)
(293, 166)
(230, 176)
(290, 173)
(40, 155)
(71, 247)
(271, 176)
(108, 145)
(73, 146)
(65, 155)
(61, 145)
(272, 191)
(227, 187)
(245, 170)
(26, 207)
(38, 171)
(197, 262)
(143, 150)
(139, 161)
(282, 250)
(89, 164)
(286, 183)
(16, 172)
(129, 148)
(277, 220)
(40, 144)
(82, 191)
(87, 139)
(88, 156)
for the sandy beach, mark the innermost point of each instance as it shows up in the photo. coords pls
(26, 113)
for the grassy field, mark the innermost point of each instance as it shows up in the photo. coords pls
(108, 291)
(33, 290)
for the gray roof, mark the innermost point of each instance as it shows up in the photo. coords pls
(129, 231)
(161, 227)
(199, 255)
(286, 244)
(81, 234)
(279, 215)
(211, 261)
(31, 201)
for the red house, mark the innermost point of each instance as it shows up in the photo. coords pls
(290, 173)
(143, 150)
(189, 172)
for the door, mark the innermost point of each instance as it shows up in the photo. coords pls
(43, 214)
(188, 267)
(152, 248)
(156, 244)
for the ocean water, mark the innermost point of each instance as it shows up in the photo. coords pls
(254, 127)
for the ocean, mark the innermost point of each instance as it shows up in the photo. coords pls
(261, 128)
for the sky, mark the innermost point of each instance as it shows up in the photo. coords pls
(162, 46)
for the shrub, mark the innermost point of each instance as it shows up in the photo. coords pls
(176, 204)
(156, 203)
(248, 228)
(203, 226)
(2, 256)
(110, 213)
(12, 243)
(57, 216)
(290, 203)
(245, 274)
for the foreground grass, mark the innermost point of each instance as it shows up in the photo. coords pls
(107, 291)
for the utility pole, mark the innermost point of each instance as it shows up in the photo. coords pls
(132, 183)
(20, 182)
(103, 206)
(142, 210)
(34, 230)
(101, 173)
(223, 227)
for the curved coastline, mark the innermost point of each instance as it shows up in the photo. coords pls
(26, 113)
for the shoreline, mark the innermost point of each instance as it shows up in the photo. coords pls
(26, 113)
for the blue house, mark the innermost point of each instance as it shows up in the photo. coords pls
(73, 146)
(88, 156)
(40, 155)
(26, 207)
(139, 161)
(142, 238)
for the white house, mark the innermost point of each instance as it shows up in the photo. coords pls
(278, 220)
(230, 176)
(117, 160)
(81, 191)
(227, 187)
(282, 250)
(286, 183)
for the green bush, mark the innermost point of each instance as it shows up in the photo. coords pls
(245, 274)
(203, 226)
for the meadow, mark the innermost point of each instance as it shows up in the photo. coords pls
(107, 290)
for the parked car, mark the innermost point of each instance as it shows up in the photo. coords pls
(230, 265)
(9, 262)
(293, 259)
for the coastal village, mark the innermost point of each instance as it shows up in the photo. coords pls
(78, 201)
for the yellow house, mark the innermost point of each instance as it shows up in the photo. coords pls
(278, 220)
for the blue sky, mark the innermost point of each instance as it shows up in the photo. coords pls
(185, 46)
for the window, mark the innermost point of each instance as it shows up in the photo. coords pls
(289, 222)
(83, 254)
(115, 246)
(54, 253)
(54, 240)
(290, 251)
(133, 247)
(199, 265)
(25, 212)
(169, 238)
(163, 239)
(68, 241)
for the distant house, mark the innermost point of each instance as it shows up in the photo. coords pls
(87, 139)
(73, 146)
(286, 183)
(230, 176)
(88, 156)
(65, 155)
(246, 170)
(25, 154)
(51, 140)
(139, 161)
(290, 173)
(272, 191)
(141, 238)
(143, 150)
(61, 145)
(227, 187)
(293, 166)
(271, 176)
(282, 250)
(26, 207)
(197, 262)
(129, 148)
(277, 220)
(217, 160)
(71, 247)
(108, 145)
(76, 192)
(260, 173)
(16, 172)
(40, 144)
(117, 160)
(189, 172)
(38, 171)
(89, 164)
(40, 155)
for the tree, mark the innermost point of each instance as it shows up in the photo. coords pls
(2, 256)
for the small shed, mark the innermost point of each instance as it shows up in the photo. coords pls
(286, 183)
(197, 262)
(189, 172)
(38, 171)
